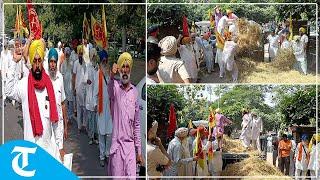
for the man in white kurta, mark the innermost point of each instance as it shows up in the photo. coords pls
(273, 39)
(91, 100)
(188, 57)
(301, 158)
(300, 54)
(176, 153)
(79, 84)
(196, 49)
(66, 71)
(257, 127)
(58, 86)
(104, 114)
(229, 51)
(220, 30)
(16, 89)
(5, 61)
(246, 132)
(171, 69)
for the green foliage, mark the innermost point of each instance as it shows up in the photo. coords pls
(64, 22)
(299, 107)
(160, 98)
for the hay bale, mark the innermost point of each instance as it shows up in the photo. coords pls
(252, 166)
(284, 60)
(249, 35)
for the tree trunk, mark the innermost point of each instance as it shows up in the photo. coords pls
(124, 38)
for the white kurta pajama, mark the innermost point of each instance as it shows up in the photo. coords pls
(80, 85)
(246, 133)
(302, 165)
(219, 55)
(66, 71)
(229, 52)
(208, 54)
(91, 100)
(273, 45)
(59, 93)
(188, 57)
(175, 153)
(314, 162)
(196, 51)
(17, 90)
(257, 127)
(300, 54)
(104, 122)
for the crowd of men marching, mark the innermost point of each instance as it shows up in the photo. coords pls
(73, 84)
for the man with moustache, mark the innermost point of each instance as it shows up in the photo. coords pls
(58, 86)
(104, 122)
(79, 83)
(36, 94)
(125, 149)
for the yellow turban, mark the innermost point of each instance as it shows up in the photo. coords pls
(80, 49)
(229, 11)
(302, 29)
(125, 57)
(36, 47)
(316, 138)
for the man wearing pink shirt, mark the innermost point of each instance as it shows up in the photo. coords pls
(125, 149)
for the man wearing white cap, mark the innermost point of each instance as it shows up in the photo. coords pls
(177, 153)
(171, 69)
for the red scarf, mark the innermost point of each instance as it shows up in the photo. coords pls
(34, 112)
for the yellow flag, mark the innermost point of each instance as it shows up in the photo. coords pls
(290, 28)
(104, 28)
(190, 124)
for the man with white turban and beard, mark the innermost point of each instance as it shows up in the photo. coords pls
(37, 96)
(178, 151)
(125, 151)
(171, 69)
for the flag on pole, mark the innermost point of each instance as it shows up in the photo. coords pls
(172, 121)
(190, 126)
(185, 30)
(104, 25)
(290, 28)
(211, 20)
(198, 149)
(85, 27)
(97, 32)
(17, 24)
(34, 23)
(23, 23)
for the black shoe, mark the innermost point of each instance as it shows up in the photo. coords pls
(102, 163)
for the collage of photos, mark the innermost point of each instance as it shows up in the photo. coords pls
(159, 89)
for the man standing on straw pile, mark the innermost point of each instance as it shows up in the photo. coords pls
(246, 125)
(284, 149)
(125, 151)
(257, 127)
(302, 157)
(299, 52)
(273, 39)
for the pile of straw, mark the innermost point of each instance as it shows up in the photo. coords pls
(249, 35)
(232, 145)
(252, 166)
(284, 60)
(252, 71)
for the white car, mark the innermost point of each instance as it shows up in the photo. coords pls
(141, 86)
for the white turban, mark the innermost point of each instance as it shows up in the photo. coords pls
(168, 46)
(181, 132)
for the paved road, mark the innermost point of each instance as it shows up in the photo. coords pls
(86, 157)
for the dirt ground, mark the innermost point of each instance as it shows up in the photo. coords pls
(258, 72)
